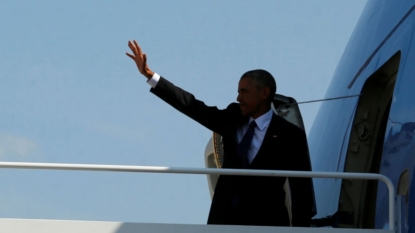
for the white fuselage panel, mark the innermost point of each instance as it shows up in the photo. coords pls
(65, 226)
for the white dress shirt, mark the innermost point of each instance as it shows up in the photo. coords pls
(262, 126)
(154, 80)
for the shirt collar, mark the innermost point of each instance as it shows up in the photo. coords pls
(263, 121)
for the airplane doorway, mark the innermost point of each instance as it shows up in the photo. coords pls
(364, 151)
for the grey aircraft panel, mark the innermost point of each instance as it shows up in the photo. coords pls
(62, 226)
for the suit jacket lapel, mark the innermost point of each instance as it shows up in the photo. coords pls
(270, 141)
(230, 142)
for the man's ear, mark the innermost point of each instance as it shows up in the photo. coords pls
(265, 93)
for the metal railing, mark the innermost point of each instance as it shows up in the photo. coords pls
(214, 171)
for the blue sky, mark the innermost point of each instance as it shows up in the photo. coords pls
(68, 94)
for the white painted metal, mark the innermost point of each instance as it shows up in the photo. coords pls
(239, 172)
(54, 226)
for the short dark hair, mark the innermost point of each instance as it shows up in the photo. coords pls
(262, 78)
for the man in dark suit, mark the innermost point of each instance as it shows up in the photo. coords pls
(253, 138)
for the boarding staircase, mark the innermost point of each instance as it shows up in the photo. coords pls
(65, 226)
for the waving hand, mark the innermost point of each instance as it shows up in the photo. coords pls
(140, 59)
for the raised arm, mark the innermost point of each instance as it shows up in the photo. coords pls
(140, 59)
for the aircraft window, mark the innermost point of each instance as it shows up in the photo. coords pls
(403, 185)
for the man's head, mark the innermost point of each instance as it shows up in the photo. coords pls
(256, 90)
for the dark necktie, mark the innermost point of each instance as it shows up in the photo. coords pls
(245, 143)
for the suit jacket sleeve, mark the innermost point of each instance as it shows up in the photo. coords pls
(301, 188)
(210, 117)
